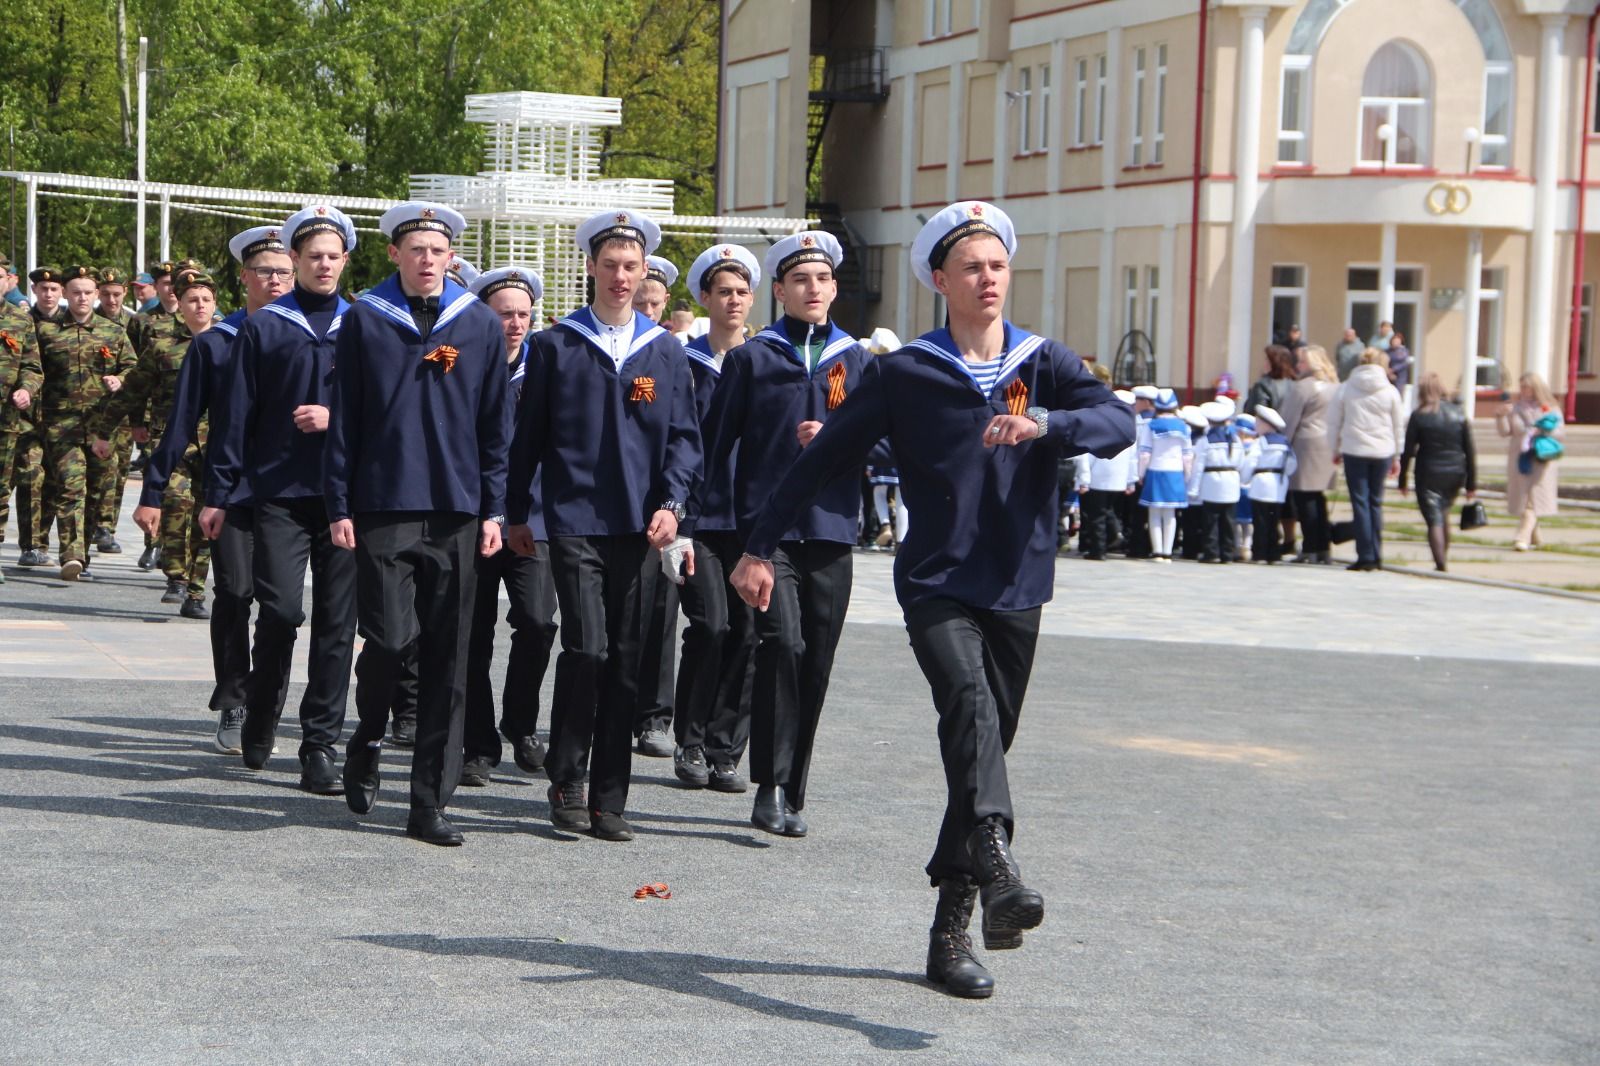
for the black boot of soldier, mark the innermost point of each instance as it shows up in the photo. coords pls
(951, 963)
(1009, 906)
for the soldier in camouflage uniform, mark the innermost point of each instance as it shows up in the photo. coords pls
(113, 293)
(147, 327)
(35, 489)
(20, 379)
(84, 359)
(150, 386)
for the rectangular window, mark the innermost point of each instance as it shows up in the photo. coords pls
(1407, 122)
(1292, 109)
(933, 115)
(1025, 110)
(1136, 142)
(939, 17)
(1496, 130)
(1100, 100)
(1152, 303)
(1586, 331)
(1080, 103)
(1130, 305)
(1159, 137)
(1287, 300)
(1491, 323)
(1044, 108)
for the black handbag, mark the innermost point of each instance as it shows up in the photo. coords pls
(1473, 515)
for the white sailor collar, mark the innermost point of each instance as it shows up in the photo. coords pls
(584, 324)
(941, 347)
(389, 300)
(699, 349)
(287, 307)
(838, 342)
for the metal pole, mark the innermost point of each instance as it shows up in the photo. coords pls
(33, 227)
(138, 225)
(166, 227)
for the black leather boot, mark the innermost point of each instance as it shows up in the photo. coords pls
(1009, 906)
(951, 963)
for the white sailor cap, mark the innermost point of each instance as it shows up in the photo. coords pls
(1194, 416)
(319, 218)
(1216, 413)
(808, 246)
(1165, 399)
(255, 240)
(1227, 405)
(1247, 423)
(1147, 392)
(461, 270)
(883, 341)
(659, 269)
(1270, 417)
(620, 224)
(1125, 396)
(954, 224)
(490, 282)
(421, 216)
(719, 258)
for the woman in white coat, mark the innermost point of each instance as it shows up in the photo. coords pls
(1366, 425)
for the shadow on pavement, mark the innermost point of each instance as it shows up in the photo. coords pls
(671, 971)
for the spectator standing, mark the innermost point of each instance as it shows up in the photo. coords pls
(1366, 422)
(1530, 483)
(1380, 340)
(1439, 441)
(1305, 416)
(1348, 353)
(1399, 362)
(1271, 388)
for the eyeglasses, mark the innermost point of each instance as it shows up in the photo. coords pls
(272, 273)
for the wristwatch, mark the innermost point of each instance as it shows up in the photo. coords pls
(1041, 416)
(500, 518)
(678, 510)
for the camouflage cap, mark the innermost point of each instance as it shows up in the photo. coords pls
(113, 276)
(73, 273)
(46, 273)
(189, 279)
(162, 269)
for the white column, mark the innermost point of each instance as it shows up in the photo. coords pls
(1059, 102)
(31, 192)
(1547, 160)
(1246, 191)
(772, 147)
(1469, 335)
(1002, 131)
(166, 227)
(908, 142)
(955, 145)
(1167, 339)
(1102, 329)
(1052, 281)
(902, 295)
(1386, 259)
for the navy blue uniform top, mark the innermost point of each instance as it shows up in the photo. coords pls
(610, 446)
(279, 362)
(519, 377)
(199, 379)
(764, 394)
(983, 528)
(407, 434)
(714, 493)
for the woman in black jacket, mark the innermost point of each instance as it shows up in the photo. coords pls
(1439, 440)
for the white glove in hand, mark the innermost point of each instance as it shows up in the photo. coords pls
(672, 558)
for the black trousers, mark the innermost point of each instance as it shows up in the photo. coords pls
(1135, 526)
(1311, 508)
(704, 596)
(727, 719)
(289, 535)
(1217, 519)
(1266, 538)
(978, 663)
(658, 653)
(597, 672)
(233, 588)
(798, 635)
(1192, 530)
(415, 585)
(1099, 520)
(533, 632)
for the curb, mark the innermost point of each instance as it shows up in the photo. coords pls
(1490, 582)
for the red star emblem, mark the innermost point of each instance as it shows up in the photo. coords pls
(427, 212)
(808, 241)
(975, 211)
(272, 234)
(622, 218)
(727, 253)
(322, 210)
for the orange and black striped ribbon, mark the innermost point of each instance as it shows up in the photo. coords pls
(11, 342)
(1017, 397)
(836, 375)
(644, 390)
(444, 355)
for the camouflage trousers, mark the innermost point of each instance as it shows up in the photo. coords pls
(25, 472)
(75, 467)
(105, 502)
(185, 552)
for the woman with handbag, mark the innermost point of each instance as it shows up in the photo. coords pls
(1532, 427)
(1439, 441)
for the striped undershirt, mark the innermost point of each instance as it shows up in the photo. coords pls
(987, 375)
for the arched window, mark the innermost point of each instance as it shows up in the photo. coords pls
(1396, 95)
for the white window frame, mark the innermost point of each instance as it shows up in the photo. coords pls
(1080, 101)
(1044, 107)
(1158, 138)
(1491, 332)
(1585, 329)
(1299, 134)
(1100, 100)
(1501, 141)
(1417, 299)
(1136, 127)
(1299, 293)
(1130, 299)
(941, 15)
(1393, 104)
(1152, 302)
(1024, 110)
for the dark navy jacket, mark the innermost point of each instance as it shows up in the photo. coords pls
(764, 395)
(277, 364)
(610, 447)
(714, 493)
(519, 377)
(200, 384)
(983, 525)
(405, 434)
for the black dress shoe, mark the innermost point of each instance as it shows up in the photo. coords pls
(175, 591)
(528, 752)
(429, 826)
(475, 772)
(793, 824)
(403, 734)
(951, 963)
(194, 607)
(767, 814)
(361, 777)
(318, 774)
(257, 737)
(607, 826)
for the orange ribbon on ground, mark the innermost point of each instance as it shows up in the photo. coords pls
(1017, 397)
(836, 374)
(659, 890)
(644, 390)
(444, 355)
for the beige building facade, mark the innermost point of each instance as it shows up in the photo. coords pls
(1190, 178)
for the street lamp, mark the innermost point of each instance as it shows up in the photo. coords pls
(1472, 137)
(1386, 135)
